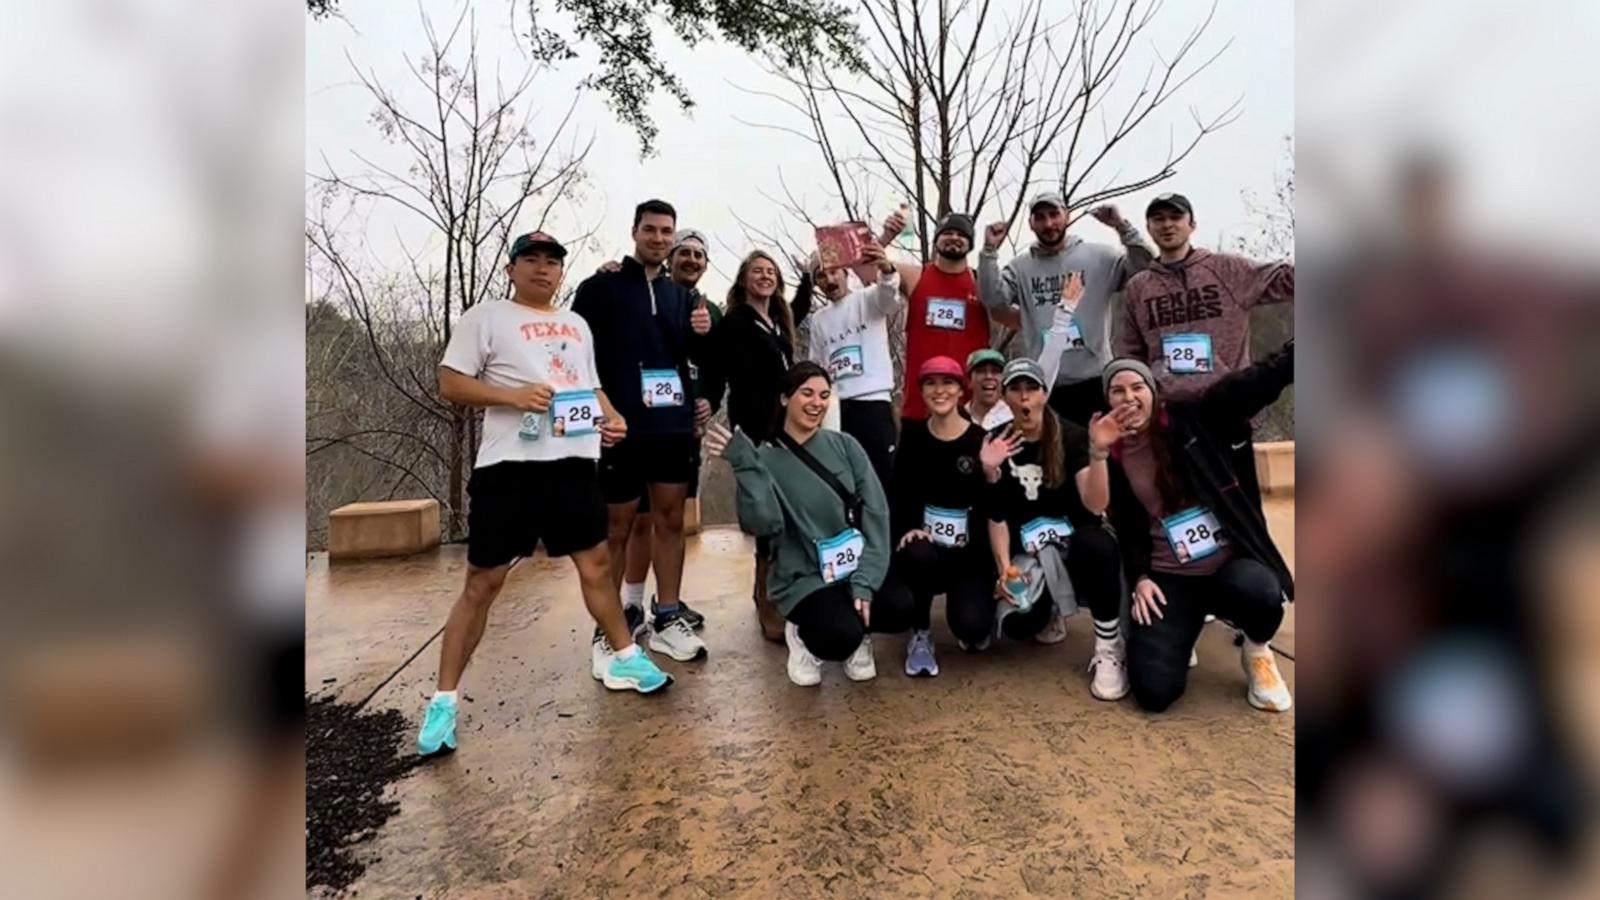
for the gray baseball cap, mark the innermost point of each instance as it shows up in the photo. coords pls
(1052, 198)
(1022, 367)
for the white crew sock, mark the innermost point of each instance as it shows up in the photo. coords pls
(448, 696)
(1107, 636)
(633, 595)
(628, 652)
(1251, 648)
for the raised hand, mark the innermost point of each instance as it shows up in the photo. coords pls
(1072, 290)
(534, 398)
(1107, 214)
(892, 226)
(1105, 429)
(999, 448)
(995, 234)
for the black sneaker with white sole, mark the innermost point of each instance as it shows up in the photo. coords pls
(636, 622)
(694, 619)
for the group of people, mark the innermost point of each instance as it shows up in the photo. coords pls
(1106, 464)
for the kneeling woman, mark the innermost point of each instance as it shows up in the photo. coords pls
(941, 544)
(1050, 551)
(814, 496)
(1193, 543)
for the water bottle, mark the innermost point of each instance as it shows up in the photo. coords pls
(908, 233)
(1017, 589)
(532, 422)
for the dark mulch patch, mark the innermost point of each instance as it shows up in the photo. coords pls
(351, 757)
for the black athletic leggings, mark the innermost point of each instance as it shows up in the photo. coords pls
(831, 628)
(1243, 592)
(1092, 564)
(964, 575)
(872, 423)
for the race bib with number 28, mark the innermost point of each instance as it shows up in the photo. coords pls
(1044, 530)
(1194, 534)
(662, 387)
(947, 314)
(839, 556)
(574, 412)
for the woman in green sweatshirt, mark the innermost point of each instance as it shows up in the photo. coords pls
(830, 553)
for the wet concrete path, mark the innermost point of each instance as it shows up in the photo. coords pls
(1000, 778)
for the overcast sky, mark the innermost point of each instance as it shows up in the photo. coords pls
(709, 165)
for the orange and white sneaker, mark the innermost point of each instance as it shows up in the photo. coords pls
(1267, 689)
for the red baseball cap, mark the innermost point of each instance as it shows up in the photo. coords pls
(942, 365)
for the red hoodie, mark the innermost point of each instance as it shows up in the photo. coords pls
(947, 293)
(1177, 307)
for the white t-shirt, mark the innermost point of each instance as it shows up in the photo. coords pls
(511, 345)
(850, 338)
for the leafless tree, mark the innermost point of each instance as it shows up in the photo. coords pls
(1270, 326)
(476, 168)
(972, 104)
(1274, 237)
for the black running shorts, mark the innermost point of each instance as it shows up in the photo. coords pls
(515, 505)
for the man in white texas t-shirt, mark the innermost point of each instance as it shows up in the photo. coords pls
(531, 368)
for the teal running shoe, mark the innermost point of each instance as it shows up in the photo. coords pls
(438, 733)
(636, 673)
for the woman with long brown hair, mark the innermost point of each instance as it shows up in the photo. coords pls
(753, 349)
(812, 496)
(1194, 543)
(1051, 553)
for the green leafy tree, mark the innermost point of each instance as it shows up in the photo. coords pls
(631, 68)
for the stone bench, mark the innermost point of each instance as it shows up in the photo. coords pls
(389, 528)
(1275, 467)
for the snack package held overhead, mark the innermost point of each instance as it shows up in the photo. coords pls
(840, 245)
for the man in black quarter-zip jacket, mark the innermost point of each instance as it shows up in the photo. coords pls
(646, 332)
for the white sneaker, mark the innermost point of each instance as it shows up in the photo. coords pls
(860, 666)
(805, 670)
(599, 655)
(1054, 632)
(1267, 688)
(1110, 675)
(676, 639)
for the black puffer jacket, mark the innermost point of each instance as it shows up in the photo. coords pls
(752, 359)
(1200, 432)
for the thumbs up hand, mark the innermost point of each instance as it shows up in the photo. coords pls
(700, 319)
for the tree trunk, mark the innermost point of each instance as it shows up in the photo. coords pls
(457, 527)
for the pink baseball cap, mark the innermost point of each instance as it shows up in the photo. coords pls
(942, 365)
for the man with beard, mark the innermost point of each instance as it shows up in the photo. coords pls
(1030, 285)
(944, 317)
(646, 329)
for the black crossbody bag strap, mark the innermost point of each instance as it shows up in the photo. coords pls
(852, 503)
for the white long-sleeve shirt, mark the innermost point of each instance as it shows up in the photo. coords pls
(850, 338)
